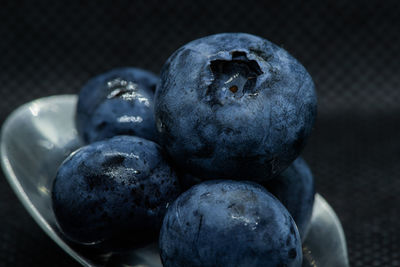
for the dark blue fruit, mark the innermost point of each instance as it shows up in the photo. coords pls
(229, 223)
(113, 194)
(295, 189)
(118, 102)
(233, 104)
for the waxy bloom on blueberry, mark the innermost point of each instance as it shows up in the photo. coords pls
(113, 194)
(229, 223)
(118, 102)
(295, 190)
(234, 104)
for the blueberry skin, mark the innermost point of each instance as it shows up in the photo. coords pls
(118, 102)
(113, 194)
(295, 190)
(229, 223)
(232, 104)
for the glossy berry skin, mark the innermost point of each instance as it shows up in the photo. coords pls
(295, 190)
(233, 104)
(118, 102)
(113, 194)
(229, 223)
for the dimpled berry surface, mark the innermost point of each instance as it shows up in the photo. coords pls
(113, 194)
(295, 189)
(118, 102)
(229, 223)
(232, 104)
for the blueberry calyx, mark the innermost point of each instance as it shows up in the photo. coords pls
(232, 78)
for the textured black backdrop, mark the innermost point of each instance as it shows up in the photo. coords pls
(351, 49)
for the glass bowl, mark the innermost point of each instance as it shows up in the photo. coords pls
(39, 135)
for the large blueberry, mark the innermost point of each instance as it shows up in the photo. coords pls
(295, 189)
(113, 194)
(233, 104)
(118, 102)
(229, 223)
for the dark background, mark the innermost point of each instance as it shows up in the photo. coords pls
(351, 49)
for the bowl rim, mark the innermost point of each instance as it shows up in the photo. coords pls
(16, 185)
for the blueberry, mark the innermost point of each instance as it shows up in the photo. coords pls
(229, 223)
(234, 104)
(118, 102)
(113, 194)
(295, 189)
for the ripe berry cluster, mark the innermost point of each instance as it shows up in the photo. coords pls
(206, 158)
